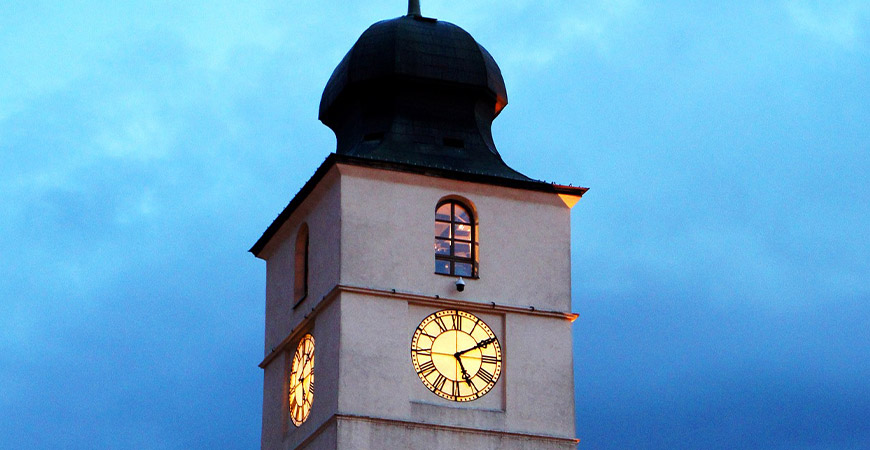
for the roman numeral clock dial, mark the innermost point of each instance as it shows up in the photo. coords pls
(456, 355)
(301, 380)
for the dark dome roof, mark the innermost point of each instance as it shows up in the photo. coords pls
(416, 47)
(419, 91)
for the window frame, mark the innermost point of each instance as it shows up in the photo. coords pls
(452, 259)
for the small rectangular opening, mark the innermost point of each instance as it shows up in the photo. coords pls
(373, 136)
(453, 142)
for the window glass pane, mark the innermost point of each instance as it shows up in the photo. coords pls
(462, 269)
(443, 212)
(462, 232)
(462, 215)
(442, 267)
(442, 247)
(462, 250)
(442, 229)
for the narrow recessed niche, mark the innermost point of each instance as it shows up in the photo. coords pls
(453, 142)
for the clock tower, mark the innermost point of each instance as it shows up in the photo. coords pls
(418, 290)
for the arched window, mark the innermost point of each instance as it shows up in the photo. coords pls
(300, 276)
(455, 240)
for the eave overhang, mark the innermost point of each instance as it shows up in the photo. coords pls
(532, 185)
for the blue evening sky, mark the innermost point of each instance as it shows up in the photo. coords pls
(720, 260)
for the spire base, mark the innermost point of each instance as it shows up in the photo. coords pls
(414, 8)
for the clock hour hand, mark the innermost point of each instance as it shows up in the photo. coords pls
(465, 375)
(480, 344)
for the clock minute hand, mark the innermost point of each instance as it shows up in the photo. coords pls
(480, 344)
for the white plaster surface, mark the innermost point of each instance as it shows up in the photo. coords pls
(375, 229)
(387, 238)
(364, 435)
(321, 210)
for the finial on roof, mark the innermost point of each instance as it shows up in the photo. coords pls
(414, 8)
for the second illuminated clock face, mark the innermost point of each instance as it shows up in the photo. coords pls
(456, 355)
(301, 380)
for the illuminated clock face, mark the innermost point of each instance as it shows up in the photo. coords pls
(301, 380)
(456, 355)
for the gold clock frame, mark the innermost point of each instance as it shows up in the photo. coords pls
(300, 380)
(456, 355)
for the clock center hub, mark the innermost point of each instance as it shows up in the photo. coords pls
(444, 355)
